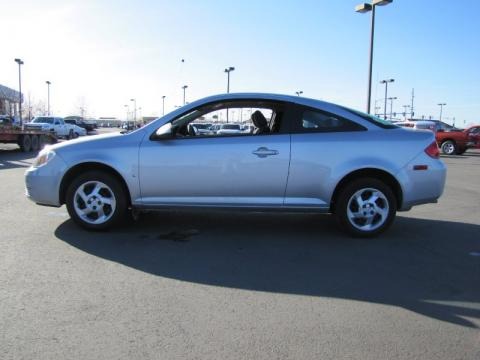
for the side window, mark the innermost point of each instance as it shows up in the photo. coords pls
(230, 119)
(316, 121)
(57, 122)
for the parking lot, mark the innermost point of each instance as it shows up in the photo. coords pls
(240, 286)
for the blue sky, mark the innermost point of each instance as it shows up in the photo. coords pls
(103, 53)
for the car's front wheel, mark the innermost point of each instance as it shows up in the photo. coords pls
(96, 200)
(365, 207)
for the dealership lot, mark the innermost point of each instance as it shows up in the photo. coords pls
(238, 286)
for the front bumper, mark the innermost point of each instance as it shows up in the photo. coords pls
(42, 184)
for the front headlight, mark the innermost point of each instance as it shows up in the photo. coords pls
(43, 157)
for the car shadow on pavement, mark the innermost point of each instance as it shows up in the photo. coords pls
(11, 159)
(425, 266)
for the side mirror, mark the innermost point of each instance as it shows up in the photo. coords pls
(440, 130)
(164, 132)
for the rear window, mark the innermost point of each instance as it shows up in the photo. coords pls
(385, 124)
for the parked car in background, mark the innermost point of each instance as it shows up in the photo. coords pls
(451, 141)
(418, 125)
(473, 132)
(229, 129)
(202, 128)
(54, 124)
(83, 124)
(79, 131)
(334, 166)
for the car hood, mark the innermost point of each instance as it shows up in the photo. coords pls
(86, 142)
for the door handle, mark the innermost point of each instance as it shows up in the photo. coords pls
(263, 152)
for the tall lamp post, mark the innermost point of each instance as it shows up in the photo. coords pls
(228, 70)
(391, 105)
(405, 107)
(300, 92)
(163, 105)
(441, 109)
(48, 97)
(134, 112)
(184, 87)
(386, 90)
(363, 8)
(20, 63)
(128, 110)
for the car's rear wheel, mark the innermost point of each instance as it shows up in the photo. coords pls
(96, 200)
(70, 135)
(449, 147)
(366, 207)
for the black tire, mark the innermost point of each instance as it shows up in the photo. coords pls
(25, 143)
(380, 213)
(110, 189)
(70, 135)
(35, 143)
(76, 135)
(449, 147)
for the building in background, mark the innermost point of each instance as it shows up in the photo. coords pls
(9, 101)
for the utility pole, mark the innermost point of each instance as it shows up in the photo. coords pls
(411, 108)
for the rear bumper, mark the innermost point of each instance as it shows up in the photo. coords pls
(422, 186)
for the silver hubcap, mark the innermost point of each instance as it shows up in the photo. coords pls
(448, 148)
(94, 202)
(367, 209)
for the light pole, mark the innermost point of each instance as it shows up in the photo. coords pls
(405, 107)
(48, 97)
(128, 110)
(184, 87)
(300, 92)
(134, 112)
(363, 8)
(391, 105)
(386, 89)
(163, 105)
(441, 109)
(20, 63)
(228, 70)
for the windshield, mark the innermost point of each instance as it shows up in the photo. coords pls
(47, 120)
(373, 119)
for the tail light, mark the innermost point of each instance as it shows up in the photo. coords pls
(432, 150)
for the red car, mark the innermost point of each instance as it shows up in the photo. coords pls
(473, 133)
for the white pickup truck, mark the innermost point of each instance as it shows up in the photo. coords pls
(53, 124)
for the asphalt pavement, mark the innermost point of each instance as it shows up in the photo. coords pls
(189, 285)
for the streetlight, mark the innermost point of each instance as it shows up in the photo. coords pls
(184, 87)
(228, 70)
(386, 86)
(48, 97)
(163, 105)
(299, 92)
(363, 8)
(128, 110)
(405, 107)
(441, 108)
(391, 105)
(134, 111)
(20, 63)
